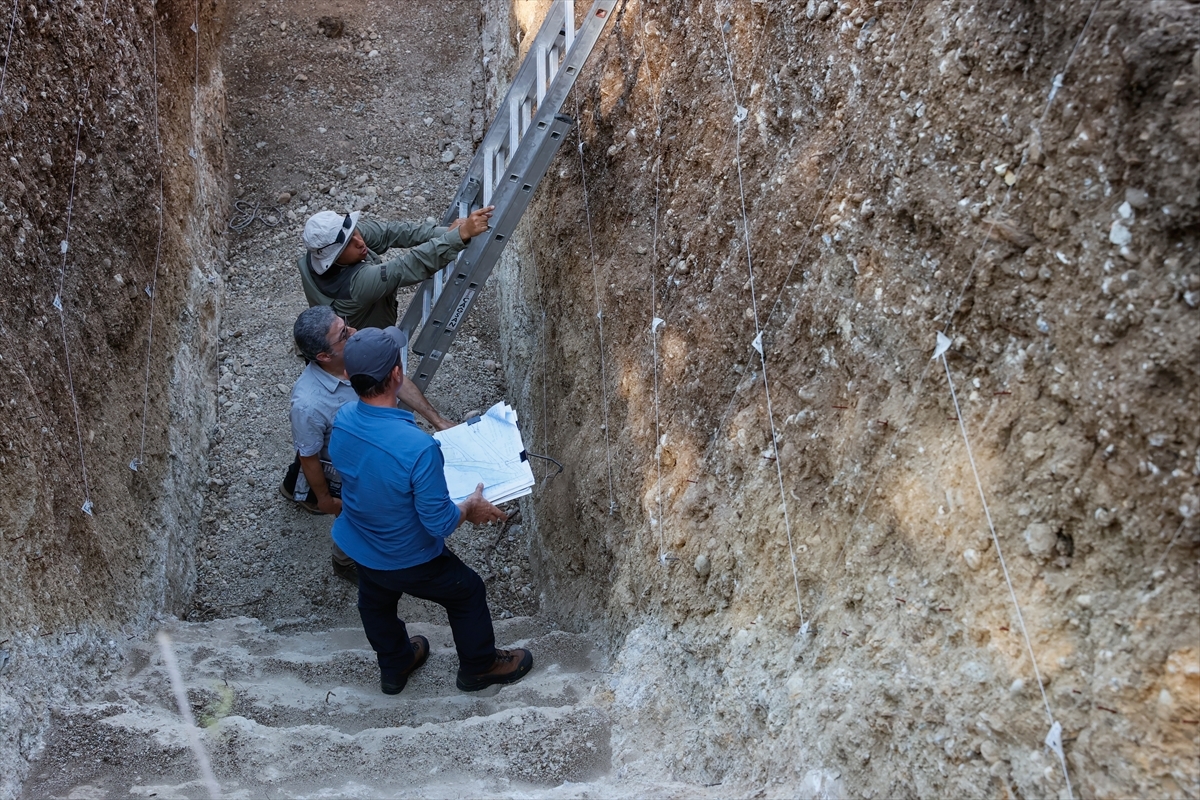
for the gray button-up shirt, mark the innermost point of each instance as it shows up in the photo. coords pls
(316, 398)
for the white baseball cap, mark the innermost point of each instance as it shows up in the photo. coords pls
(326, 234)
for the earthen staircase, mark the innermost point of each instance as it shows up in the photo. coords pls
(300, 714)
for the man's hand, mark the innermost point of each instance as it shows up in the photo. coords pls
(474, 224)
(315, 473)
(478, 511)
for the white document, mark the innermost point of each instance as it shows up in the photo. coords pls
(488, 451)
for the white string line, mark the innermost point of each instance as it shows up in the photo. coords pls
(545, 381)
(12, 24)
(1056, 84)
(137, 462)
(738, 119)
(62, 314)
(655, 322)
(537, 281)
(1012, 593)
(612, 503)
(1162, 559)
(817, 215)
(185, 711)
(64, 247)
(838, 167)
(196, 84)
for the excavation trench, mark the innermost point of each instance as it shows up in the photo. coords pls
(766, 568)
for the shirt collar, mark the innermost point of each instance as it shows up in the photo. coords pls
(376, 411)
(330, 382)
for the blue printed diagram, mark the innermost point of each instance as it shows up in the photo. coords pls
(488, 451)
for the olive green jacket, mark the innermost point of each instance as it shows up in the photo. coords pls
(365, 293)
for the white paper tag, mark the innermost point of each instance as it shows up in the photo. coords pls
(1054, 739)
(943, 344)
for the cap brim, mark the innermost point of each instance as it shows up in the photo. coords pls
(323, 258)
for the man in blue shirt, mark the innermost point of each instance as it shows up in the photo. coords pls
(396, 515)
(322, 389)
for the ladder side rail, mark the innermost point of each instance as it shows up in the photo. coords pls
(422, 302)
(525, 83)
(458, 300)
(507, 192)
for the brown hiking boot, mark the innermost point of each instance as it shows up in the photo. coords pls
(394, 682)
(510, 666)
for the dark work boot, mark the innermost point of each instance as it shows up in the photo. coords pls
(347, 572)
(394, 682)
(510, 666)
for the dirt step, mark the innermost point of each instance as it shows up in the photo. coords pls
(136, 752)
(238, 667)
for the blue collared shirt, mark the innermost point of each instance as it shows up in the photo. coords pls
(396, 510)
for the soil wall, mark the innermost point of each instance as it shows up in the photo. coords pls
(124, 370)
(788, 553)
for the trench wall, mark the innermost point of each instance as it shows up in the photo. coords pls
(124, 370)
(788, 553)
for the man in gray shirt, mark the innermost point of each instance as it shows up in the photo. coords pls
(312, 482)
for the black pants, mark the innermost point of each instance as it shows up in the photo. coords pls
(293, 474)
(445, 580)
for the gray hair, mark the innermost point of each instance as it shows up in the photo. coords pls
(312, 331)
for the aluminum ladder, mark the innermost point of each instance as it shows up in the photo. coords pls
(515, 153)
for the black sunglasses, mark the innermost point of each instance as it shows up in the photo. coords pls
(347, 224)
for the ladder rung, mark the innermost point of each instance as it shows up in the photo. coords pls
(541, 53)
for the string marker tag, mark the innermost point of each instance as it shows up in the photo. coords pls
(192, 152)
(740, 116)
(655, 323)
(148, 292)
(757, 343)
(87, 507)
(1054, 87)
(133, 465)
(57, 302)
(1054, 739)
(194, 29)
(63, 247)
(943, 344)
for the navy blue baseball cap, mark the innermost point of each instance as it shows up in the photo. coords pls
(375, 351)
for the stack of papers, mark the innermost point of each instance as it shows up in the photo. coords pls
(487, 450)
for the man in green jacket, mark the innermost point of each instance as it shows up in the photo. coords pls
(342, 266)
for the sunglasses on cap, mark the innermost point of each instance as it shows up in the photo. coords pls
(347, 225)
